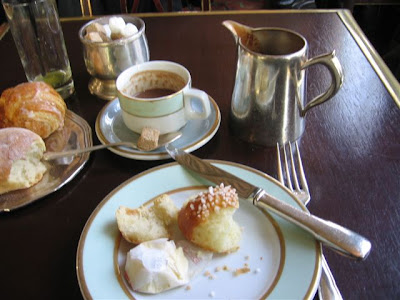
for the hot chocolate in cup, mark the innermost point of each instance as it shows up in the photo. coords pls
(158, 94)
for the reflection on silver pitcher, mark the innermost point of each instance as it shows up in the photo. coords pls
(268, 105)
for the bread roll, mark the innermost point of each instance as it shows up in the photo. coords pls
(207, 220)
(147, 223)
(21, 151)
(35, 106)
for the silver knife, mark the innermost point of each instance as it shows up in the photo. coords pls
(334, 236)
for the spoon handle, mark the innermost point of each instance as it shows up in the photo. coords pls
(164, 139)
(55, 155)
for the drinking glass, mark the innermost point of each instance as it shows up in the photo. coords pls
(38, 36)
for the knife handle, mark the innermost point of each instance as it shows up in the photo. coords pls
(334, 236)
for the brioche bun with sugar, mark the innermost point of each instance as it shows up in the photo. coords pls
(147, 223)
(207, 220)
(21, 151)
(35, 106)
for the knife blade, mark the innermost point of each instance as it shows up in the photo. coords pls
(336, 237)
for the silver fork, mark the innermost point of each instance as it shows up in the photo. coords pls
(327, 286)
(302, 193)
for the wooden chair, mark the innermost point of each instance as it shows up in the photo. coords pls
(135, 5)
(86, 8)
(349, 4)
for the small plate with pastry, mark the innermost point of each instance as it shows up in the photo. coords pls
(110, 128)
(35, 119)
(166, 234)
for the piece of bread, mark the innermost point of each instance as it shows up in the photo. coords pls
(147, 223)
(21, 151)
(35, 106)
(207, 220)
(148, 139)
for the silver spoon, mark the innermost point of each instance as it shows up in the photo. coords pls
(164, 139)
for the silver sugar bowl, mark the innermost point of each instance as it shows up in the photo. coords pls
(106, 60)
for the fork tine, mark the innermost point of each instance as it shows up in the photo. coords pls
(280, 174)
(327, 288)
(302, 175)
(294, 173)
(288, 179)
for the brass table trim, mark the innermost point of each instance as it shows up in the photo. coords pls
(377, 63)
(213, 12)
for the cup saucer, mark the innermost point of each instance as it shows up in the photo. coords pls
(110, 128)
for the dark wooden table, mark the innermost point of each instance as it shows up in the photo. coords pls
(351, 150)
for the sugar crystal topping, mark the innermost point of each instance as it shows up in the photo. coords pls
(213, 200)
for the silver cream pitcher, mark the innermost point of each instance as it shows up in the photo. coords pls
(268, 101)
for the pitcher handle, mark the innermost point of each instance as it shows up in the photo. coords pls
(335, 69)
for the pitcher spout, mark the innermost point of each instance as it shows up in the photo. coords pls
(244, 35)
(239, 31)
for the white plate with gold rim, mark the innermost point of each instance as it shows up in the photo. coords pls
(284, 260)
(110, 128)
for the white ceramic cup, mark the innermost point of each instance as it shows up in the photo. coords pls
(166, 111)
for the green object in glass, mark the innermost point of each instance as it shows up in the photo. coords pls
(56, 78)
